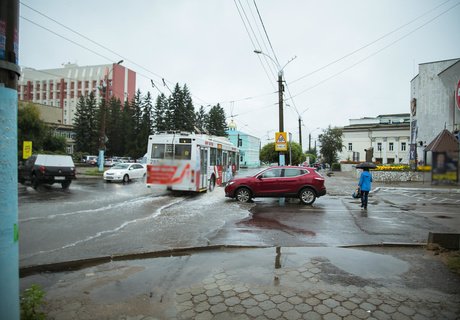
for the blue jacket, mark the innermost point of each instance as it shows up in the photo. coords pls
(365, 181)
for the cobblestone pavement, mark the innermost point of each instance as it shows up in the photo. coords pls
(308, 297)
(302, 283)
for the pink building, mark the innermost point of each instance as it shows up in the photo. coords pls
(64, 86)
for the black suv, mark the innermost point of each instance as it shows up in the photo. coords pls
(47, 169)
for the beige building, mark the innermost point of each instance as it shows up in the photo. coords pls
(388, 137)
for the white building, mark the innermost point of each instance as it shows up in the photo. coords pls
(386, 135)
(433, 105)
(64, 86)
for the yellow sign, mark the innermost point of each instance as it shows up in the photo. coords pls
(26, 149)
(281, 141)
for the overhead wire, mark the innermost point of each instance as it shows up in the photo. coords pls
(252, 41)
(376, 52)
(99, 45)
(369, 44)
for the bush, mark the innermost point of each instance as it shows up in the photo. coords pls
(336, 167)
(31, 303)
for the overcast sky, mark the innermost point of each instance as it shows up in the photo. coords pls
(204, 44)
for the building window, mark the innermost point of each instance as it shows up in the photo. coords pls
(390, 160)
(403, 146)
(391, 146)
(350, 146)
(379, 146)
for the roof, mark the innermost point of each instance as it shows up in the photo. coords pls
(451, 66)
(444, 142)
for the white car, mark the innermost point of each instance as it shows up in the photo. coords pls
(125, 172)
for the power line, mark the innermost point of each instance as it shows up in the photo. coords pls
(98, 44)
(266, 34)
(252, 42)
(375, 53)
(369, 44)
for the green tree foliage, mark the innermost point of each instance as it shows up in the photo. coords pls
(114, 123)
(32, 128)
(86, 125)
(127, 128)
(159, 113)
(331, 144)
(201, 120)
(312, 157)
(216, 121)
(298, 157)
(269, 155)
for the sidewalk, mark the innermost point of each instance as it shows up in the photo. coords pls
(264, 283)
(344, 183)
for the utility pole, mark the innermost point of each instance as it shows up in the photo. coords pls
(309, 142)
(9, 233)
(280, 100)
(300, 134)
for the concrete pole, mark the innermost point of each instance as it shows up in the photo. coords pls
(9, 234)
(281, 160)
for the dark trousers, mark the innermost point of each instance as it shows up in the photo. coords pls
(364, 197)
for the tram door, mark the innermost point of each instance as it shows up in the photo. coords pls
(224, 167)
(203, 168)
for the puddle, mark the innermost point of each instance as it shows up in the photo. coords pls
(256, 221)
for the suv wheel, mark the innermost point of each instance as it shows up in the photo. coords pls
(34, 181)
(65, 184)
(243, 195)
(307, 196)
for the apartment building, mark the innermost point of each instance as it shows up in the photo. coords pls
(64, 86)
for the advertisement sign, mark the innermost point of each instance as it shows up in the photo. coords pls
(444, 169)
(26, 149)
(281, 141)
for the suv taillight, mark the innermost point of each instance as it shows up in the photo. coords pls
(42, 169)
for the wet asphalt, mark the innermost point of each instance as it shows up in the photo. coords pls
(374, 282)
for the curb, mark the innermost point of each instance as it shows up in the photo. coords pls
(91, 262)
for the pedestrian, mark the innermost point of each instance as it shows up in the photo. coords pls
(364, 184)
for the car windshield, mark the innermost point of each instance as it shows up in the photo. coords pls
(121, 166)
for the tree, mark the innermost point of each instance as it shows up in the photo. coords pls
(298, 157)
(114, 125)
(331, 144)
(86, 125)
(201, 119)
(217, 124)
(268, 153)
(159, 113)
(30, 127)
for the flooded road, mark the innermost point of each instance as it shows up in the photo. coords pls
(96, 219)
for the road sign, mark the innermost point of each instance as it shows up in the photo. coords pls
(457, 95)
(281, 141)
(26, 149)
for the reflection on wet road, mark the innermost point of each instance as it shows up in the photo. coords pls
(96, 219)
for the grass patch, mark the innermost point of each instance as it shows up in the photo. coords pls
(93, 172)
(452, 260)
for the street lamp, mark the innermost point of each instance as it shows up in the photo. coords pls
(280, 94)
(309, 138)
(105, 99)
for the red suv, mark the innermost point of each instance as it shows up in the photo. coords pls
(286, 181)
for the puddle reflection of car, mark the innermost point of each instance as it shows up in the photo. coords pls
(125, 172)
(289, 182)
